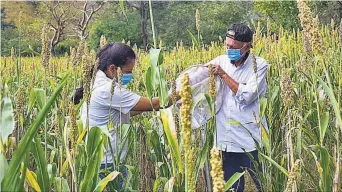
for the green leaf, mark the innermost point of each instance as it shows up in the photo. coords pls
(42, 174)
(94, 157)
(31, 179)
(148, 83)
(7, 119)
(330, 93)
(232, 180)
(154, 57)
(282, 169)
(52, 170)
(203, 155)
(327, 175)
(13, 171)
(194, 40)
(324, 125)
(24, 164)
(158, 182)
(61, 184)
(40, 97)
(210, 103)
(169, 185)
(29, 50)
(3, 166)
(173, 143)
(37, 95)
(103, 183)
(163, 90)
(263, 105)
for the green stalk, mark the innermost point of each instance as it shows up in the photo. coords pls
(152, 24)
(45, 123)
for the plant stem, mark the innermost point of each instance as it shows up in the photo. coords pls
(152, 24)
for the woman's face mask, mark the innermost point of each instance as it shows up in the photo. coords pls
(126, 78)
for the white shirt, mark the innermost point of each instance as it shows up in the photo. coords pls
(101, 107)
(240, 106)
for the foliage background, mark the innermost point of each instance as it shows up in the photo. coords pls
(173, 20)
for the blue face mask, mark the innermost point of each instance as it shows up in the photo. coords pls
(234, 54)
(126, 78)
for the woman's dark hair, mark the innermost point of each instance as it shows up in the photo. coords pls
(112, 53)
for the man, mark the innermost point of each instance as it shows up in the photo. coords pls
(242, 91)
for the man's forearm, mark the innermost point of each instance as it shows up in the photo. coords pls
(233, 85)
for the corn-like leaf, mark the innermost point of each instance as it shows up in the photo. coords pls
(24, 164)
(7, 119)
(203, 155)
(154, 61)
(173, 144)
(327, 175)
(31, 179)
(282, 169)
(42, 174)
(3, 166)
(61, 184)
(52, 170)
(324, 125)
(65, 164)
(156, 57)
(103, 183)
(13, 171)
(194, 40)
(169, 185)
(159, 182)
(37, 95)
(232, 180)
(149, 83)
(334, 104)
(94, 157)
(163, 95)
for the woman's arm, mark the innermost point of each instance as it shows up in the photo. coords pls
(134, 113)
(144, 104)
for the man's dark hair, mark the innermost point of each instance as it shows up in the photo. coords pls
(240, 32)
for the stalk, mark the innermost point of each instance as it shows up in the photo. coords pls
(152, 24)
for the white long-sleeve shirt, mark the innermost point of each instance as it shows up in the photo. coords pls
(240, 106)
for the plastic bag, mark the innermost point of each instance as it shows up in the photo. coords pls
(199, 83)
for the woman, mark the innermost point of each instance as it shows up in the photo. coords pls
(120, 105)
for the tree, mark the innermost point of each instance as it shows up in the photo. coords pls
(116, 27)
(281, 13)
(142, 8)
(87, 12)
(58, 15)
(3, 16)
(215, 17)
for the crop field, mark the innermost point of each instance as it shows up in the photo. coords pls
(45, 146)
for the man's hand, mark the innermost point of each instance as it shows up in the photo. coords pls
(233, 85)
(218, 71)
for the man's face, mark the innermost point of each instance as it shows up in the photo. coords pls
(233, 44)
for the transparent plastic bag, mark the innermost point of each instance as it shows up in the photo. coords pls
(199, 83)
